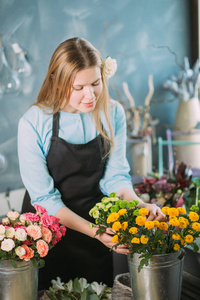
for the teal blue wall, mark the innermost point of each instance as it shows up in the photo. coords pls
(123, 29)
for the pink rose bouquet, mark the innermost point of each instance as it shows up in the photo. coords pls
(29, 236)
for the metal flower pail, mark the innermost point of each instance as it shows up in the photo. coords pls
(160, 280)
(19, 283)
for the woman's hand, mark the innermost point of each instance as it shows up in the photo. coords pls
(106, 239)
(155, 212)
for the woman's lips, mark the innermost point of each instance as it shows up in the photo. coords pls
(88, 104)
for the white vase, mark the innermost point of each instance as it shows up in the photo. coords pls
(142, 157)
(187, 118)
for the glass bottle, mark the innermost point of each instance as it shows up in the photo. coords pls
(9, 81)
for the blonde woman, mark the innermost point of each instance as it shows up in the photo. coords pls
(72, 152)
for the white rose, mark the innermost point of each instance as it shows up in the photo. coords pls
(7, 245)
(110, 67)
(145, 197)
(13, 215)
(21, 234)
(22, 219)
(5, 221)
(2, 236)
(2, 229)
(20, 251)
(10, 232)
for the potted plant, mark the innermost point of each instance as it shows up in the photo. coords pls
(77, 289)
(24, 240)
(156, 248)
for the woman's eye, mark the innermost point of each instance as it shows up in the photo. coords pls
(97, 83)
(78, 88)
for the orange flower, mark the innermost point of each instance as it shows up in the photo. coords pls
(116, 226)
(176, 236)
(140, 220)
(42, 248)
(29, 253)
(183, 242)
(112, 217)
(181, 210)
(143, 212)
(115, 238)
(156, 223)
(124, 225)
(133, 230)
(173, 212)
(173, 221)
(189, 238)
(193, 216)
(182, 224)
(165, 210)
(183, 219)
(196, 226)
(144, 239)
(149, 224)
(163, 226)
(122, 211)
(176, 247)
(135, 240)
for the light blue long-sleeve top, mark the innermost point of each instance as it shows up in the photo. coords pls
(34, 137)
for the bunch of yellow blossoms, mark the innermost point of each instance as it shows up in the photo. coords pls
(131, 227)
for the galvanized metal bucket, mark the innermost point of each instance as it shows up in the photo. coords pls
(19, 283)
(160, 280)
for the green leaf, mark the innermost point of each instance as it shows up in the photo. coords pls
(93, 297)
(41, 263)
(84, 295)
(77, 286)
(14, 264)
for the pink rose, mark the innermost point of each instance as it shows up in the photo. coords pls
(46, 220)
(42, 248)
(63, 230)
(54, 219)
(29, 253)
(40, 209)
(54, 227)
(34, 231)
(57, 237)
(46, 234)
(31, 217)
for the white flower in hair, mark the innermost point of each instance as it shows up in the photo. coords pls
(109, 67)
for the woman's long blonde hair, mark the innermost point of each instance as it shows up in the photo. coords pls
(70, 57)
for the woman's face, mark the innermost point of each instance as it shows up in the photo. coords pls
(86, 89)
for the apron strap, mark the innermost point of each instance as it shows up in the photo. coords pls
(56, 117)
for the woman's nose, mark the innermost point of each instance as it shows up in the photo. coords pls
(89, 91)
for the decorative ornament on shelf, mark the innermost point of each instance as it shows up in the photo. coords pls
(140, 130)
(185, 86)
(135, 115)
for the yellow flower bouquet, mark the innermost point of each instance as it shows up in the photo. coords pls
(131, 227)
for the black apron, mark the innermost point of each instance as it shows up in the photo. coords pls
(76, 170)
